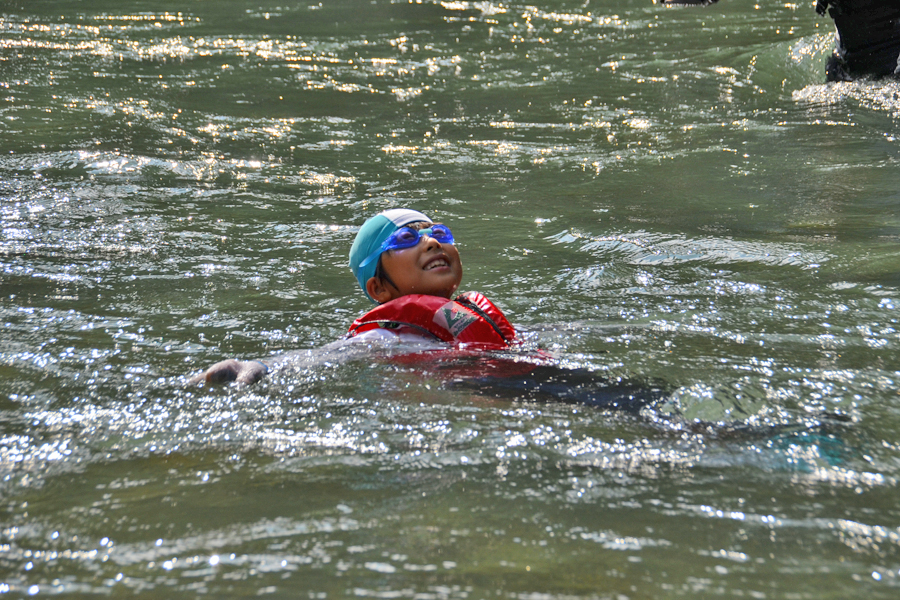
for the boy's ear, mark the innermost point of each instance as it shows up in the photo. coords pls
(376, 288)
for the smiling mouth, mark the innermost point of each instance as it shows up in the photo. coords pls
(441, 262)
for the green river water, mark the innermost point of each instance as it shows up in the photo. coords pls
(670, 197)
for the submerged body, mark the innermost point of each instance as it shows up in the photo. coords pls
(483, 356)
(471, 326)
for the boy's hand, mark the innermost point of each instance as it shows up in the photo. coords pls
(248, 372)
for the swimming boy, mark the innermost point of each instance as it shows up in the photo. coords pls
(410, 267)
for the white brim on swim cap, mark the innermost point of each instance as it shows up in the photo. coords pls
(404, 216)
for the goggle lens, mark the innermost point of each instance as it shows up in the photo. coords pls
(407, 237)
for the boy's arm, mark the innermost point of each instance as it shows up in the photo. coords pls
(242, 371)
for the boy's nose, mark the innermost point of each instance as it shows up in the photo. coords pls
(430, 242)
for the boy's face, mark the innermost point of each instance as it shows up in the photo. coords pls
(429, 268)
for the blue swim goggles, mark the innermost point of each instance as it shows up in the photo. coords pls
(407, 237)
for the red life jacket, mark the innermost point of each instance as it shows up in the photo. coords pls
(470, 319)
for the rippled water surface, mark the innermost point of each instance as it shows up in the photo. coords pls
(669, 200)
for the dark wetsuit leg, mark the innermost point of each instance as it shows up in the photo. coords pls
(868, 38)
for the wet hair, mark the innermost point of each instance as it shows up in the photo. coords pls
(380, 271)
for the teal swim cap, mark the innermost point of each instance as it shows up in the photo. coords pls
(372, 234)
